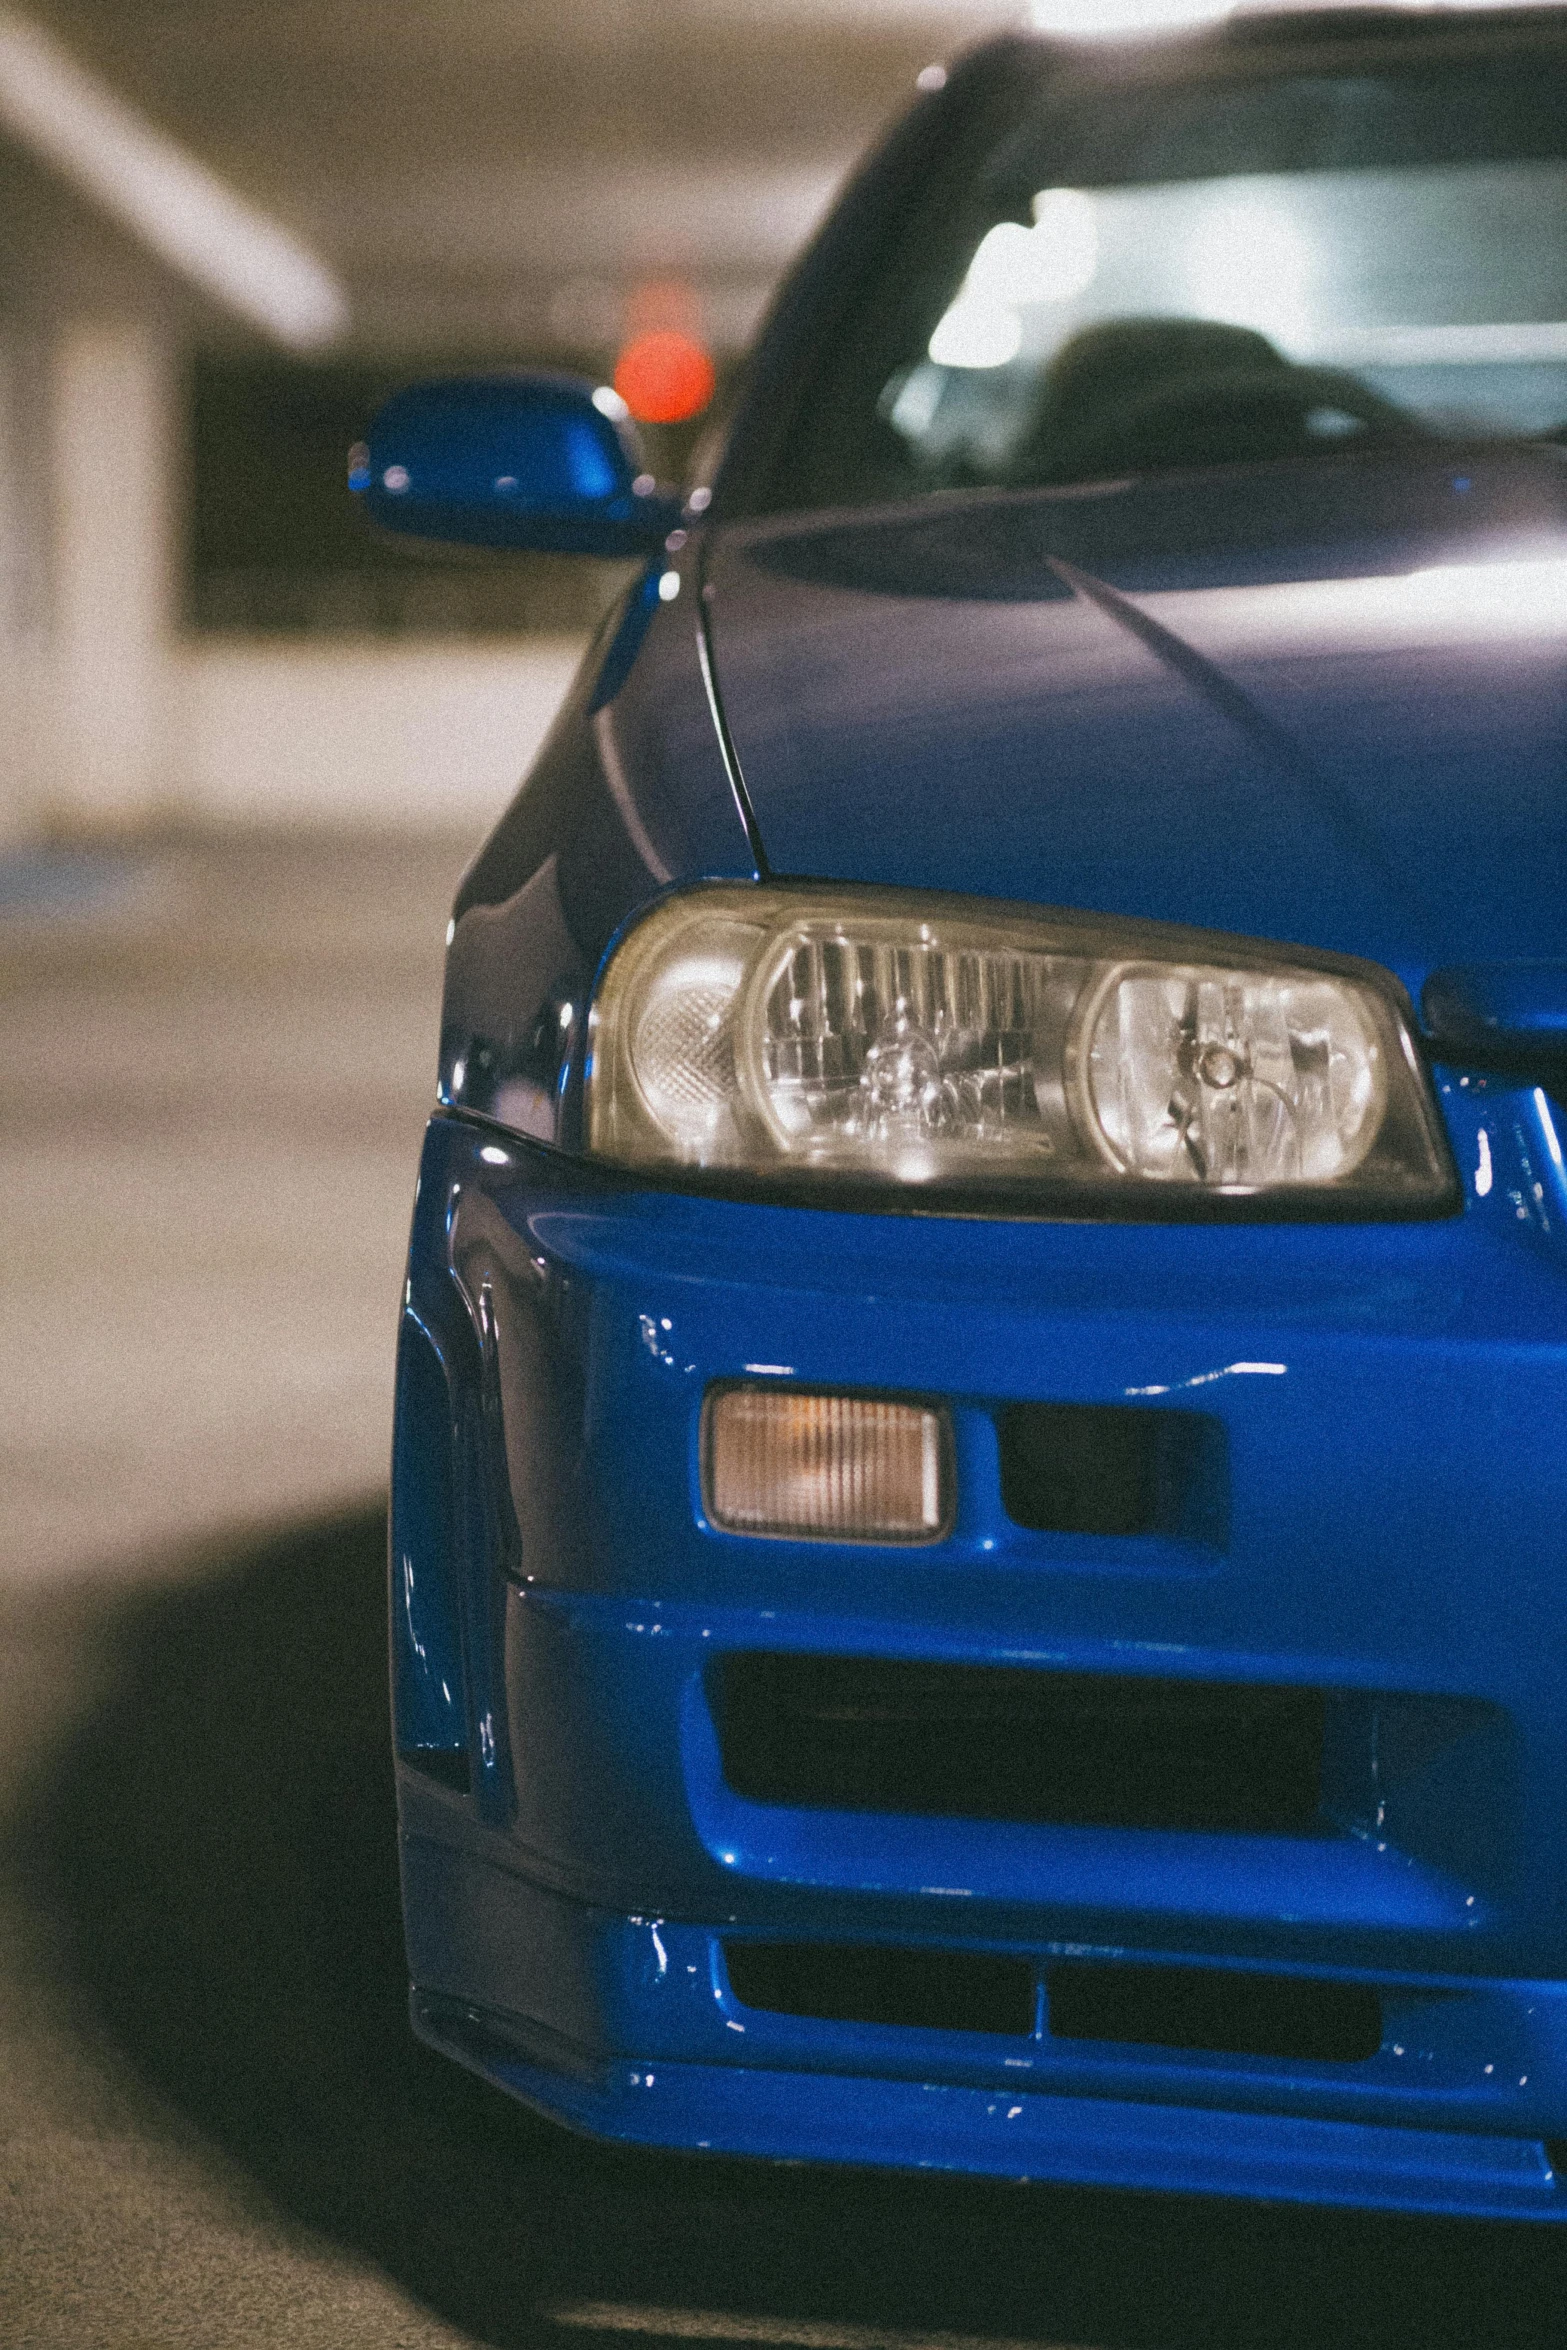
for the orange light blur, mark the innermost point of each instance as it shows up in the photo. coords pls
(665, 377)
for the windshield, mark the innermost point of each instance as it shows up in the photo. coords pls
(1131, 277)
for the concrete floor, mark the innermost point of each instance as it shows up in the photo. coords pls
(214, 2126)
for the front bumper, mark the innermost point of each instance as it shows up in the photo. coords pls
(1390, 1534)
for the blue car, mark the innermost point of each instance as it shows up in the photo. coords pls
(979, 1546)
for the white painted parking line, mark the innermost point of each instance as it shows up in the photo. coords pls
(779, 2333)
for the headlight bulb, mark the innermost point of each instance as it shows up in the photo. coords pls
(1232, 1078)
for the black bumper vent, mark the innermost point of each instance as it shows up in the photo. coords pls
(996, 1743)
(862, 1983)
(1116, 1469)
(1211, 2010)
(1215, 2010)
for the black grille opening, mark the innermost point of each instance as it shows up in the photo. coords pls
(860, 1983)
(1002, 1743)
(1115, 1469)
(1212, 2009)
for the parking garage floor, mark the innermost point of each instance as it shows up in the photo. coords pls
(215, 2128)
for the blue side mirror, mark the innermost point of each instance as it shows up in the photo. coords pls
(542, 461)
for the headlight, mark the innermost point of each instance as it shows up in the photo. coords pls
(845, 1038)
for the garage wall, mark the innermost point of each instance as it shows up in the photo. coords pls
(410, 735)
(111, 715)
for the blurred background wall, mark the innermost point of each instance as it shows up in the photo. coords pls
(230, 227)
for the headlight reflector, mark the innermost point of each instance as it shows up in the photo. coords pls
(1233, 1077)
(682, 1045)
(864, 1036)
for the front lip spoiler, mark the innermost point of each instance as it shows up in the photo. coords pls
(1029, 2135)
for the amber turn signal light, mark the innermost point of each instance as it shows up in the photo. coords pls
(823, 1467)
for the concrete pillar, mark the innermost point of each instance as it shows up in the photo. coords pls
(112, 449)
(24, 639)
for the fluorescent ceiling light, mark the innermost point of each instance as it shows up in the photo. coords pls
(1106, 19)
(177, 207)
(1109, 19)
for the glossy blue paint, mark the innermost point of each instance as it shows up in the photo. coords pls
(511, 461)
(1324, 704)
(1406, 1571)
(1519, 1006)
(429, 1710)
(627, 638)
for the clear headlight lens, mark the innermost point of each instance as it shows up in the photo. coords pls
(840, 1035)
(1200, 1075)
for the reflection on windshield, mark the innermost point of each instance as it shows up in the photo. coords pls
(1288, 266)
(1211, 321)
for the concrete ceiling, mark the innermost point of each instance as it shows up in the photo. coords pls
(499, 174)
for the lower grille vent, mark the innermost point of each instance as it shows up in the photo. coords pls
(1115, 1469)
(994, 1743)
(1213, 2009)
(861, 1983)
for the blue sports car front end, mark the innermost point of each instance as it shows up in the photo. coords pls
(781, 1847)
(977, 1552)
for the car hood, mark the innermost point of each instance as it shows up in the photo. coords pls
(1324, 704)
